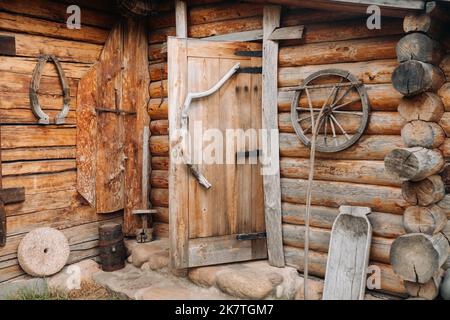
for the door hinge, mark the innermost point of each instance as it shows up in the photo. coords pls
(252, 70)
(257, 54)
(251, 236)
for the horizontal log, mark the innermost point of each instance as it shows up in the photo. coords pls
(14, 136)
(413, 77)
(24, 24)
(161, 215)
(369, 72)
(56, 11)
(40, 182)
(385, 225)
(428, 290)
(157, 52)
(158, 89)
(158, 109)
(20, 83)
(159, 179)
(158, 71)
(422, 23)
(11, 100)
(427, 106)
(424, 134)
(159, 145)
(339, 51)
(429, 220)
(38, 153)
(209, 13)
(26, 66)
(381, 123)
(66, 50)
(335, 194)
(444, 93)
(414, 164)
(416, 257)
(424, 192)
(161, 230)
(419, 46)
(159, 197)
(26, 116)
(357, 171)
(160, 163)
(382, 97)
(390, 282)
(294, 235)
(31, 167)
(159, 127)
(367, 148)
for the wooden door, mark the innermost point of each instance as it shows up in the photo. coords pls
(205, 224)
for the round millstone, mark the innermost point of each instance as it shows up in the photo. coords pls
(43, 252)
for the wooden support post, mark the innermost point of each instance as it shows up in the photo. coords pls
(181, 18)
(272, 187)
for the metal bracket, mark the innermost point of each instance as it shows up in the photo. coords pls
(8, 196)
(7, 45)
(251, 236)
(34, 89)
(256, 54)
(251, 70)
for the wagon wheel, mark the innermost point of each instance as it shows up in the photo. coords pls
(345, 110)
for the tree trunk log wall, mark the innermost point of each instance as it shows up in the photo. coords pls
(355, 176)
(42, 158)
(419, 255)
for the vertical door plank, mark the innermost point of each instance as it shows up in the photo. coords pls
(135, 96)
(110, 144)
(178, 172)
(259, 247)
(87, 136)
(272, 188)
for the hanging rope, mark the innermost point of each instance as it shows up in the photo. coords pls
(315, 130)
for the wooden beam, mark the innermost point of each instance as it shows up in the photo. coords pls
(181, 18)
(287, 33)
(7, 45)
(253, 35)
(389, 8)
(272, 187)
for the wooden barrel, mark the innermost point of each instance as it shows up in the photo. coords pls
(112, 247)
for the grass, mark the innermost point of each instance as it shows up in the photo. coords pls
(88, 291)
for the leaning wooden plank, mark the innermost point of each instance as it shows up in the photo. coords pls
(252, 35)
(345, 279)
(178, 172)
(87, 136)
(271, 179)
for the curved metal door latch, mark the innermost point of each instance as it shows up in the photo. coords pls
(34, 89)
(185, 120)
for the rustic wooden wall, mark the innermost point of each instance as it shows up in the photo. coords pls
(42, 158)
(355, 176)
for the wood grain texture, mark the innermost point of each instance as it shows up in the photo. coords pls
(87, 136)
(272, 191)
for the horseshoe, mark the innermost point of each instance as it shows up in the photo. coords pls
(34, 89)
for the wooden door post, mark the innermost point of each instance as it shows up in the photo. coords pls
(272, 186)
(181, 18)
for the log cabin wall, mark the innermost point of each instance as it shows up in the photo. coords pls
(42, 158)
(355, 176)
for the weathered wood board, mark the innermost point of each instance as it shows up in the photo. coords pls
(348, 258)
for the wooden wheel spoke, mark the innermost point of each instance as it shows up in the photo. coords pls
(346, 104)
(333, 129)
(356, 113)
(340, 127)
(308, 109)
(310, 106)
(344, 95)
(325, 131)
